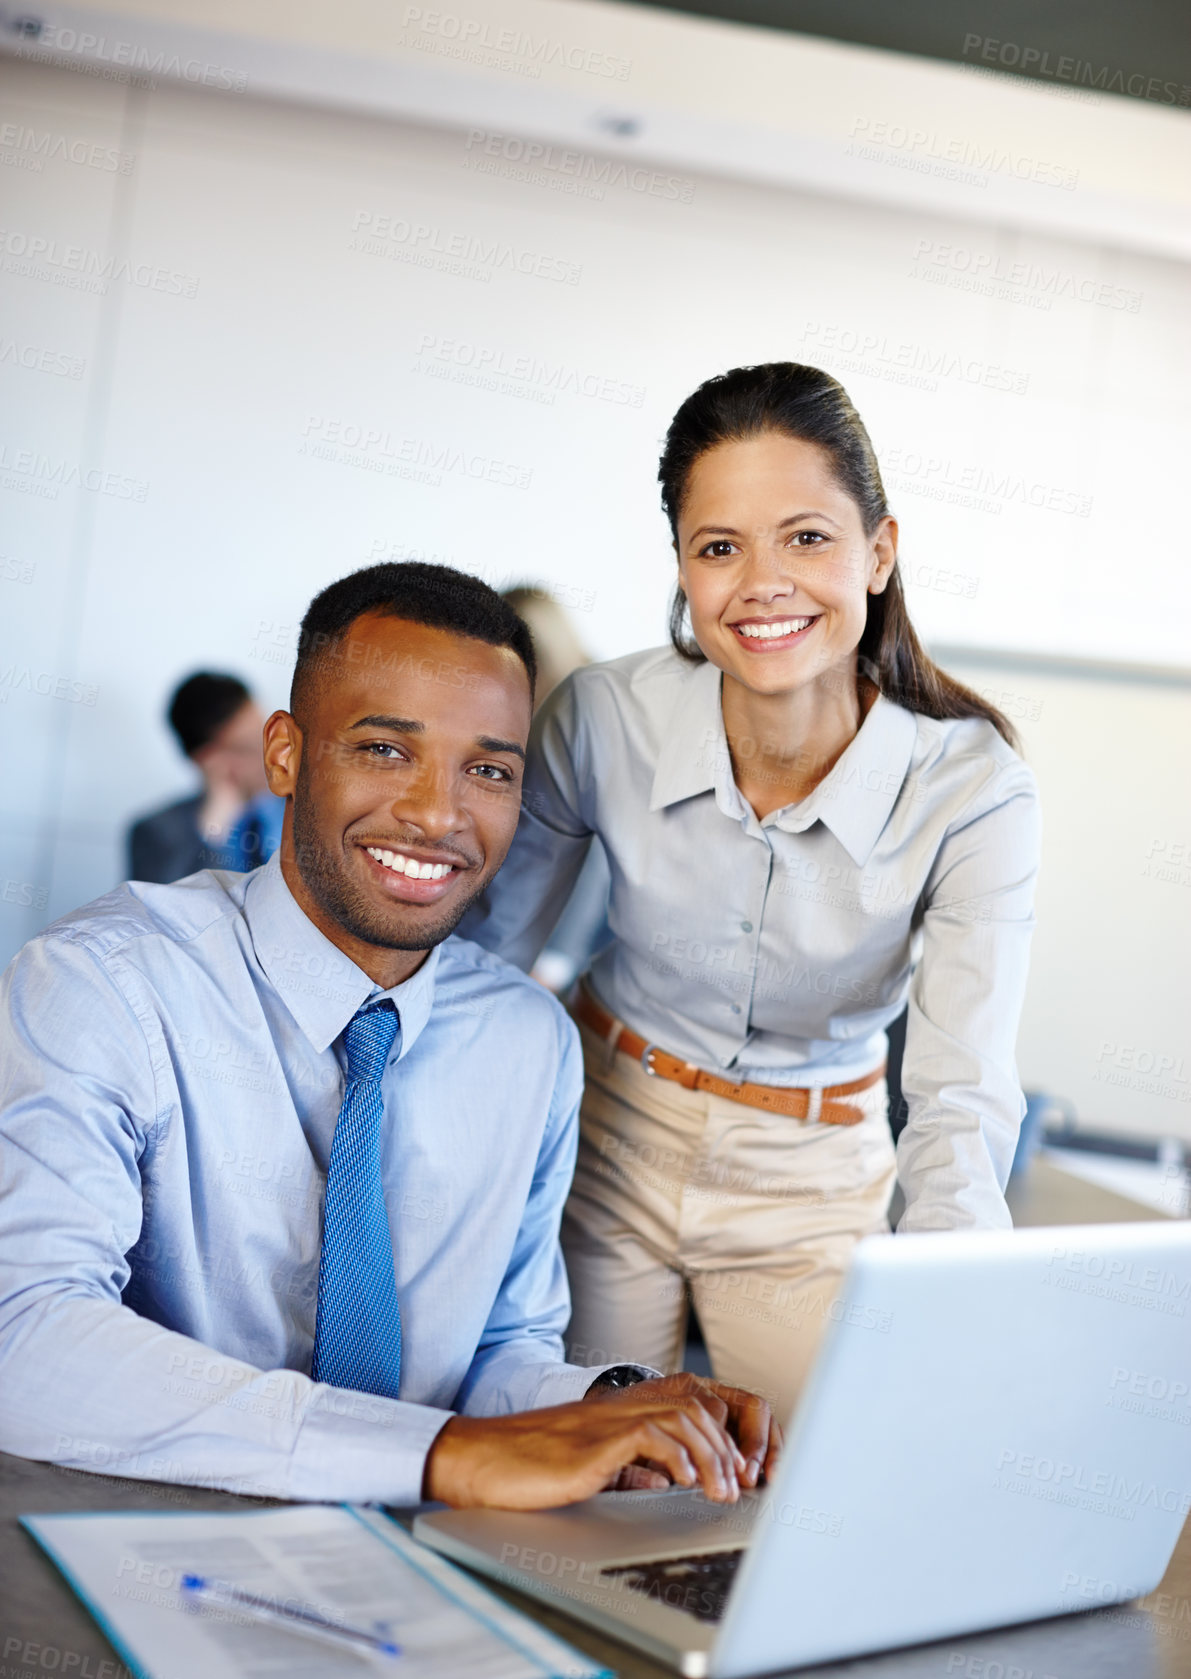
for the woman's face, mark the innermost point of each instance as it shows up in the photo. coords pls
(774, 562)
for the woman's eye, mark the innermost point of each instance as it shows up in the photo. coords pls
(808, 539)
(717, 550)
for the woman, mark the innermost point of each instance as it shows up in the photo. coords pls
(808, 823)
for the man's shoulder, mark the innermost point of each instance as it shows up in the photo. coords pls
(139, 914)
(478, 981)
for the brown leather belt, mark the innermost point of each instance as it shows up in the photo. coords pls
(826, 1106)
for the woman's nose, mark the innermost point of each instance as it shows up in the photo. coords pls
(767, 574)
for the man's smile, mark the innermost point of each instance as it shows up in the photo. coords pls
(411, 878)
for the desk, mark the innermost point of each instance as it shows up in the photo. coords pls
(44, 1629)
(1048, 1195)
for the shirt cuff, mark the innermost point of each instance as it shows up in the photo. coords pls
(560, 1384)
(358, 1448)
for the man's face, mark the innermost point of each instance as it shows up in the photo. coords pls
(405, 776)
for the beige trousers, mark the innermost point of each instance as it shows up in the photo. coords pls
(681, 1197)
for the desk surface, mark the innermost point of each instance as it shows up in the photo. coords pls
(44, 1628)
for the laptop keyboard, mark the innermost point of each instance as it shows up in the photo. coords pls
(698, 1585)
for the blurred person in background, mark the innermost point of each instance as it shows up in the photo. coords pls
(582, 928)
(234, 822)
(809, 825)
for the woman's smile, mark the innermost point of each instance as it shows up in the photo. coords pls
(772, 635)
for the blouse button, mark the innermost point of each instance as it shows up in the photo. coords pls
(746, 926)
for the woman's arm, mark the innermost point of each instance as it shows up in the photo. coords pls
(959, 1074)
(521, 906)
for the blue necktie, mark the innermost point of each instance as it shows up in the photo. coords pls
(357, 1336)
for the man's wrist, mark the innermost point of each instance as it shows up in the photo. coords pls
(437, 1476)
(619, 1376)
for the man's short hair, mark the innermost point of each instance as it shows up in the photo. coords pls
(202, 704)
(437, 596)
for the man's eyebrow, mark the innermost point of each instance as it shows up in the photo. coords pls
(399, 725)
(409, 726)
(491, 745)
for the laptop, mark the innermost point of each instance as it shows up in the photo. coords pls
(997, 1429)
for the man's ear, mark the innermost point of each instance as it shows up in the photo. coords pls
(283, 753)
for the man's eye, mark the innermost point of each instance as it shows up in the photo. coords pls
(383, 749)
(492, 772)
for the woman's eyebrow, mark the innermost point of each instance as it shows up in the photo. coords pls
(811, 513)
(794, 518)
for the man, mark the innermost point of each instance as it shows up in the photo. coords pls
(181, 1065)
(234, 822)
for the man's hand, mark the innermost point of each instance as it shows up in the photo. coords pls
(745, 1416)
(536, 1459)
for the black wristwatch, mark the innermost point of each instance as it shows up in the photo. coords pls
(620, 1376)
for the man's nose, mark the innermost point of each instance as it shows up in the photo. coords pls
(429, 800)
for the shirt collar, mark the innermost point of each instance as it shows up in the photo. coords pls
(854, 801)
(694, 745)
(856, 798)
(320, 986)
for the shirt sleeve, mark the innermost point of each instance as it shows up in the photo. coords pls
(523, 902)
(519, 1363)
(85, 1381)
(959, 1073)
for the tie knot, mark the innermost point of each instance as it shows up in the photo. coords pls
(369, 1040)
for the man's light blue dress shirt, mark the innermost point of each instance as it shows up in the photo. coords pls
(170, 1076)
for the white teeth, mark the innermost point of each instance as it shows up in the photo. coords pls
(776, 627)
(407, 866)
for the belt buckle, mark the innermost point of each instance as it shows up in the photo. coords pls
(645, 1055)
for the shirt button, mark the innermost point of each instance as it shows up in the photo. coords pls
(735, 1008)
(746, 926)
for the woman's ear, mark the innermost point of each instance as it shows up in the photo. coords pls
(884, 551)
(678, 560)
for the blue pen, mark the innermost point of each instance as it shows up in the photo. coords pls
(226, 1596)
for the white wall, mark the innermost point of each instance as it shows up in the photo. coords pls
(266, 400)
(1106, 1017)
